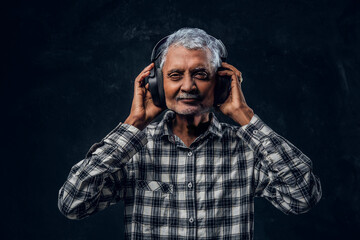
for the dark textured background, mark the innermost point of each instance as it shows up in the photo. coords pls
(66, 81)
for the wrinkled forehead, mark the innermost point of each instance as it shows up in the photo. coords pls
(179, 56)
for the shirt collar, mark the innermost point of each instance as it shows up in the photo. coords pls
(163, 129)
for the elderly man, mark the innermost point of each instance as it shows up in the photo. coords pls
(190, 176)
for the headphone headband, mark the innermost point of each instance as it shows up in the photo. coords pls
(155, 56)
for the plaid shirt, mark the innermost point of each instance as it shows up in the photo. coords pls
(205, 191)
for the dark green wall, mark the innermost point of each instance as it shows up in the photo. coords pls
(66, 81)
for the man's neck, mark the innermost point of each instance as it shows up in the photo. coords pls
(189, 127)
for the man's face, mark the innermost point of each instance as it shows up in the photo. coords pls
(189, 80)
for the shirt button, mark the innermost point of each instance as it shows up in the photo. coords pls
(191, 220)
(190, 185)
(255, 131)
(189, 154)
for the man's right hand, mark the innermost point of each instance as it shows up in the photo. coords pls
(143, 110)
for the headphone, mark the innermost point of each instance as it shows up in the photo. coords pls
(156, 84)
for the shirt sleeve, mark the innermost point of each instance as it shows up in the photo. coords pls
(282, 173)
(98, 181)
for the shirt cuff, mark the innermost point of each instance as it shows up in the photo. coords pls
(266, 144)
(255, 133)
(261, 139)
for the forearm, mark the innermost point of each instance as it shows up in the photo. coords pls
(283, 174)
(242, 116)
(90, 186)
(136, 122)
(286, 178)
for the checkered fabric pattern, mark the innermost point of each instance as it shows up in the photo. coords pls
(205, 191)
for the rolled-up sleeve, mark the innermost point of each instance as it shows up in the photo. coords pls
(98, 180)
(282, 173)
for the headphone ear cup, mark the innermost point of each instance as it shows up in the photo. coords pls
(160, 83)
(153, 87)
(222, 89)
(156, 86)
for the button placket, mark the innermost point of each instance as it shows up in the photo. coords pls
(189, 184)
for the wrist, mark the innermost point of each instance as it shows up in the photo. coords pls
(139, 124)
(242, 116)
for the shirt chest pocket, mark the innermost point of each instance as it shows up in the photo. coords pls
(152, 202)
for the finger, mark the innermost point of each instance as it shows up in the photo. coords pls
(221, 68)
(140, 78)
(144, 71)
(226, 73)
(226, 65)
(138, 86)
(146, 86)
(229, 73)
(237, 72)
(148, 68)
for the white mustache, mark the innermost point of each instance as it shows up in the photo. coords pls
(188, 96)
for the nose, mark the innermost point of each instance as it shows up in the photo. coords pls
(188, 84)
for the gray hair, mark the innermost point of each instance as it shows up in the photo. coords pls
(193, 38)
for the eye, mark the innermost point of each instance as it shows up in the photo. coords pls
(201, 75)
(175, 76)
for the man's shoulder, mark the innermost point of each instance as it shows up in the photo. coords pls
(158, 127)
(154, 129)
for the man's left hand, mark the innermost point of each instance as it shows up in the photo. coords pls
(235, 105)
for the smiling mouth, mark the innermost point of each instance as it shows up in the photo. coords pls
(189, 100)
